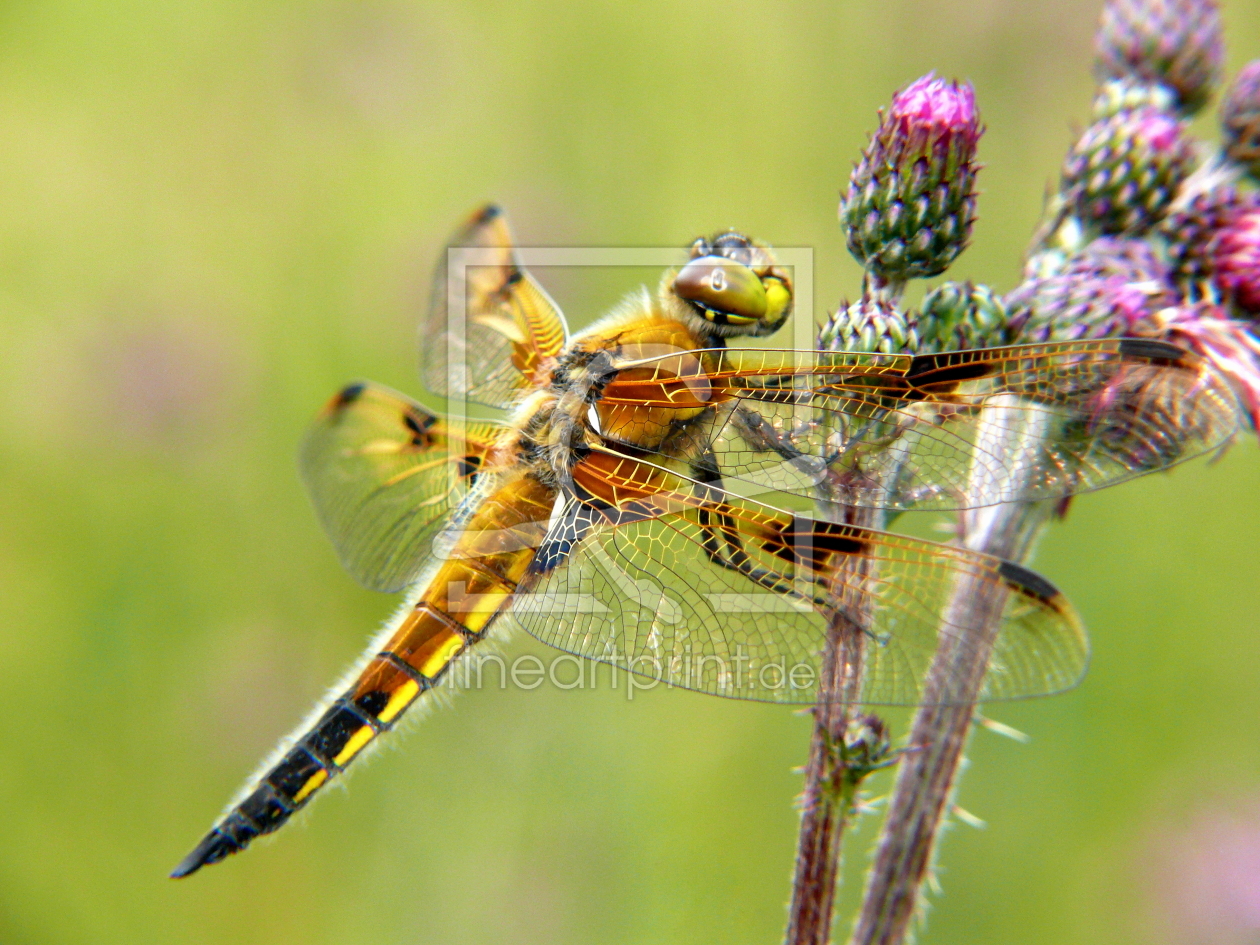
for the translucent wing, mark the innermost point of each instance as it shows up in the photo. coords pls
(383, 472)
(900, 432)
(681, 582)
(491, 330)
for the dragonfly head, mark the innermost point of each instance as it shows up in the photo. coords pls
(734, 285)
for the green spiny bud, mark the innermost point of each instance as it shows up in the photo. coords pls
(1125, 170)
(870, 325)
(911, 200)
(961, 315)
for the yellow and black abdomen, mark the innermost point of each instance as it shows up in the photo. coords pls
(451, 611)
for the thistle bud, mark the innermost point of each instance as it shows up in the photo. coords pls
(1125, 169)
(1237, 262)
(1240, 119)
(911, 200)
(1174, 43)
(1190, 230)
(1110, 289)
(870, 325)
(961, 315)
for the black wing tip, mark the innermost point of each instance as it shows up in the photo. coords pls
(1028, 581)
(487, 212)
(1148, 349)
(344, 398)
(214, 847)
(350, 393)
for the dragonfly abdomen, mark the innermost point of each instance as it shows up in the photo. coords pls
(452, 611)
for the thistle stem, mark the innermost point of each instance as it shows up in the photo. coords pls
(929, 768)
(827, 807)
(831, 779)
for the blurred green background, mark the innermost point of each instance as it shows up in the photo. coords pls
(213, 214)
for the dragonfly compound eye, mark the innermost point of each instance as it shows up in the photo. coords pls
(728, 293)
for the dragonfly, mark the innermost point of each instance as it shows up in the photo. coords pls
(619, 511)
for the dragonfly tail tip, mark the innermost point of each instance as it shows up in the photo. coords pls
(212, 849)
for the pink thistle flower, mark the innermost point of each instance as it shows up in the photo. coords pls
(1207, 330)
(1111, 288)
(1189, 232)
(930, 108)
(1236, 254)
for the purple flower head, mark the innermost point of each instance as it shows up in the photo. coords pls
(1190, 230)
(1174, 43)
(1240, 119)
(911, 200)
(935, 107)
(1236, 254)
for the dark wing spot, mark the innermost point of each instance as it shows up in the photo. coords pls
(1147, 350)
(880, 383)
(926, 370)
(1028, 582)
(468, 466)
(419, 424)
(815, 542)
(487, 213)
(348, 395)
(563, 536)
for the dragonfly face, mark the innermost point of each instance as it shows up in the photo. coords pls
(616, 514)
(735, 286)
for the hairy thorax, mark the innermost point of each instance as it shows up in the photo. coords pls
(558, 426)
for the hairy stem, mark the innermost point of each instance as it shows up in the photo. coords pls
(929, 769)
(831, 775)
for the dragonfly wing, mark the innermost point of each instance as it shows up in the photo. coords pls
(711, 592)
(901, 432)
(383, 472)
(491, 327)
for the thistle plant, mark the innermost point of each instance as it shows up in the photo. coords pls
(1189, 232)
(1122, 174)
(1151, 233)
(1176, 44)
(911, 200)
(908, 213)
(1112, 287)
